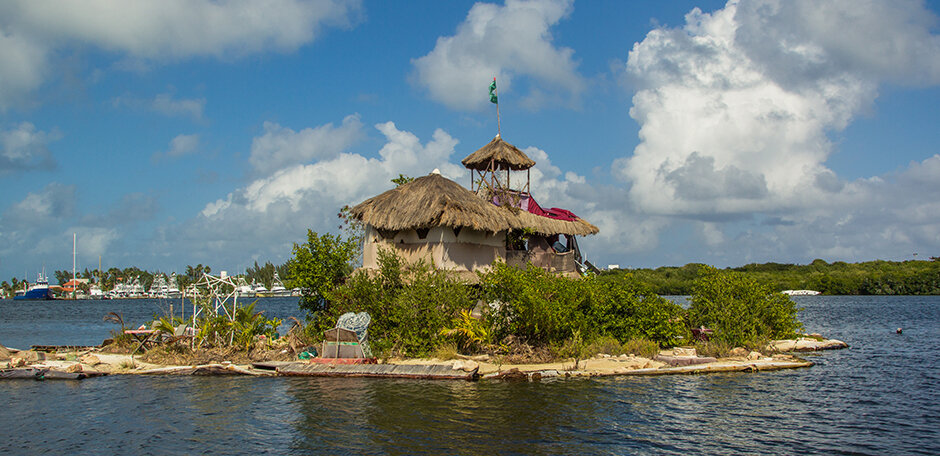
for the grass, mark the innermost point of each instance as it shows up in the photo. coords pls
(641, 347)
(446, 351)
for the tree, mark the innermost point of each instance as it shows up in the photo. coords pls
(741, 310)
(63, 276)
(318, 266)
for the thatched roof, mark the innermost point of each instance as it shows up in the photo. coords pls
(549, 226)
(430, 201)
(435, 200)
(504, 155)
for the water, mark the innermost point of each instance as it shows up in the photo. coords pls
(81, 322)
(878, 397)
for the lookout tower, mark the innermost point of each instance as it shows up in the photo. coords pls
(488, 164)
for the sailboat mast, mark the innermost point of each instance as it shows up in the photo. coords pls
(73, 265)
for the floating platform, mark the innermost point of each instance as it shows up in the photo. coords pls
(413, 371)
(723, 366)
(45, 374)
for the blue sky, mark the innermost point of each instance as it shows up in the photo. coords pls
(169, 133)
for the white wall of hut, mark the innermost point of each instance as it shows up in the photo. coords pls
(465, 250)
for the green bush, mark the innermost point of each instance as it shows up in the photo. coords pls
(741, 310)
(625, 310)
(641, 347)
(542, 308)
(535, 306)
(320, 265)
(410, 305)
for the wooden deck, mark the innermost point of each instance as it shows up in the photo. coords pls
(416, 371)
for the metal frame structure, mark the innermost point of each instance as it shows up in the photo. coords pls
(216, 288)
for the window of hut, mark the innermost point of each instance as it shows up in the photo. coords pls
(422, 232)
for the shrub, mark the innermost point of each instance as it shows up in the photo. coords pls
(740, 310)
(535, 306)
(625, 311)
(542, 308)
(410, 305)
(446, 351)
(469, 331)
(716, 348)
(320, 265)
(604, 344)
(641, 347)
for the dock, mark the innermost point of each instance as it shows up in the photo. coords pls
(412, 371)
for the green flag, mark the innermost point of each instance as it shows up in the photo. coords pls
(493, 92)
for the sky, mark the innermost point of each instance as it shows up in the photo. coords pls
(169, 133)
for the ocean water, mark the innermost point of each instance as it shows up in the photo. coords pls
(878, 397)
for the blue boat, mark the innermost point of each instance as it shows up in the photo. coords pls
(37, 291)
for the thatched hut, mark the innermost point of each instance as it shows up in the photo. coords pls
(436, 219)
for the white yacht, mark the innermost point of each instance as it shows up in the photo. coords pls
(260, 289)
(243, 288)
(277, 288)
(158, 288)
(172, 288)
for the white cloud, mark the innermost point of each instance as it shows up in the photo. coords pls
(179, 146)
(799, 41)
(156, 30)
(37, 230)
(280, 147)
(734, 110)
(265, 217)
(183, 145)
(91, 242)
(54, 201)
(23, 147)
(735, 106)
(23, 67)
(508, 42)
(166, 105)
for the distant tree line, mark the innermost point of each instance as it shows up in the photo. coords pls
(838, 278)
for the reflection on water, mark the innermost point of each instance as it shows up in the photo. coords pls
(878, 397)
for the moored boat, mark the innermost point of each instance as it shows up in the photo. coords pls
(800, 292)
(37, 291)
(278, 288)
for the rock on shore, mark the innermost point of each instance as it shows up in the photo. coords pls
(806, 344)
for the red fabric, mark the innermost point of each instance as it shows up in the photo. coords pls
(561, 214)
(554, 213)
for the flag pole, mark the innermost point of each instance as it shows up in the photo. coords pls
(496, 92)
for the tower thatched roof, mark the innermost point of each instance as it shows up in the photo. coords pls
(501, 153)
(434, 200)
